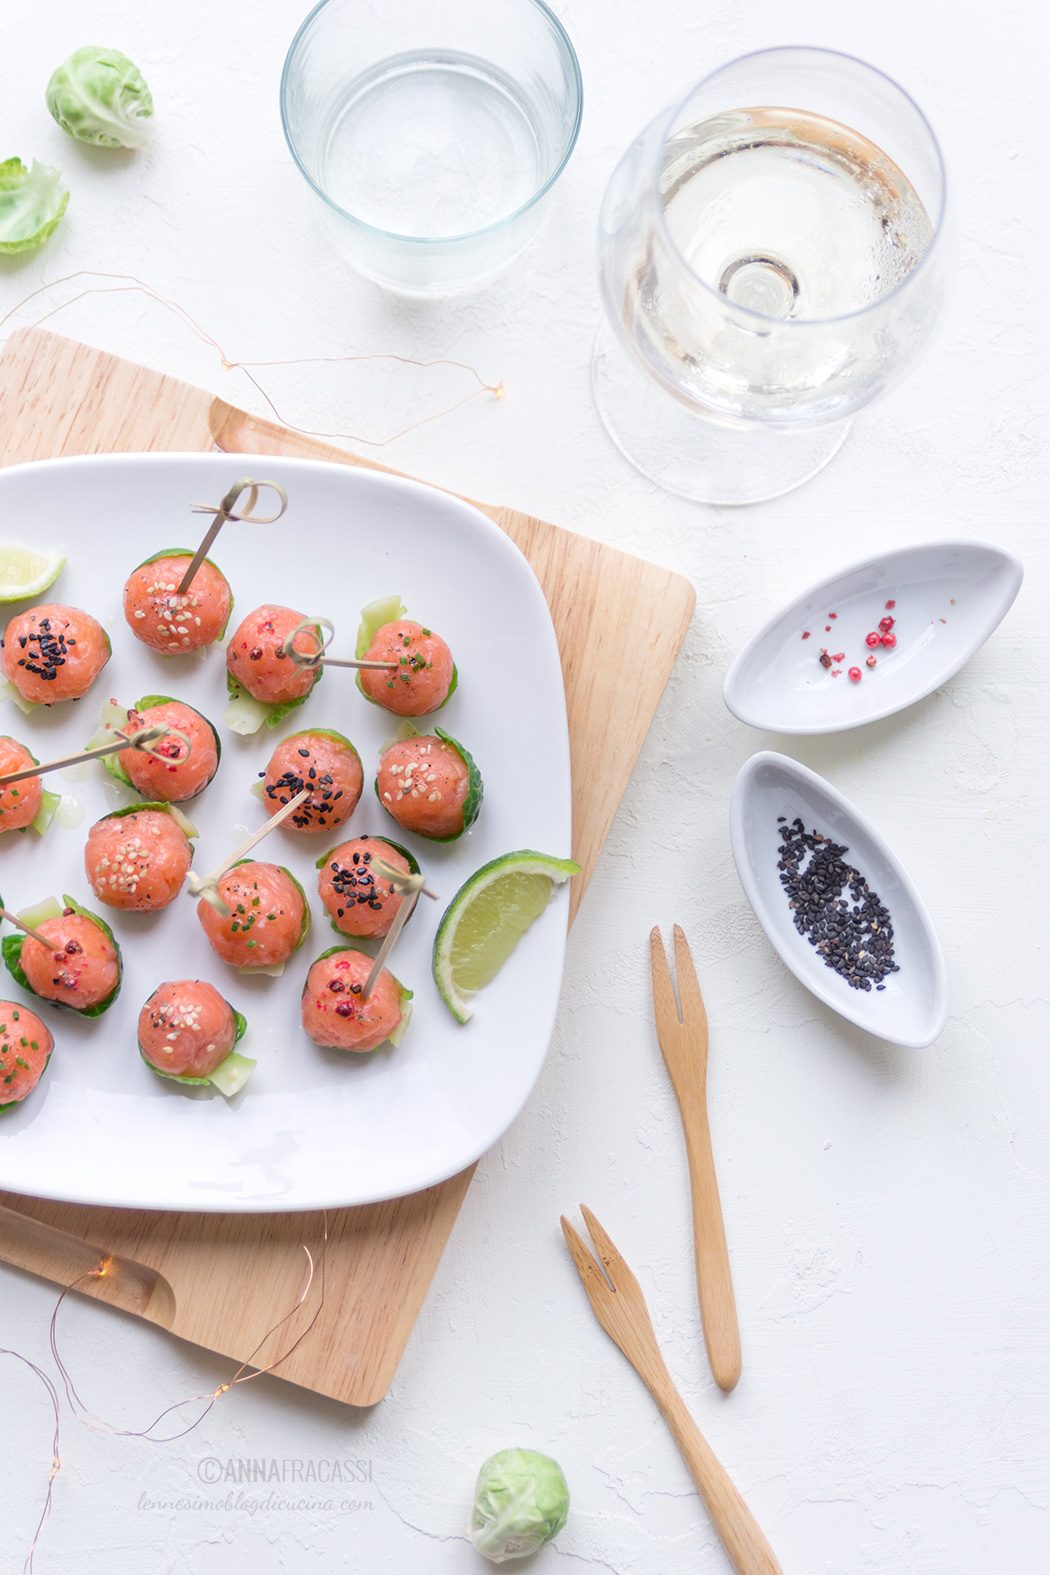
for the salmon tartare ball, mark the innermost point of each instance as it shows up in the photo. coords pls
(53, 653)
(268, 917)
(256, 657)
(81, 967)
(357, 901)
(333, 1011)
(26, 1044)
(430, 785)
(425, 670)
(327, 764)
(175, 776)
(20, 801)
(137, 859)
(165, 621)
(187, 1028)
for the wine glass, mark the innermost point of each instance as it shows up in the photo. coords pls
(772, 257)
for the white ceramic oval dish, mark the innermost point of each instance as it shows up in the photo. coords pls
(313, 1128)
(948, 597)
(913, 1007)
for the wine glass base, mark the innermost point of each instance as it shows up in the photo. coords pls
(692, 455)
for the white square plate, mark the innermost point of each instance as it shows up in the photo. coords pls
(313, 1128)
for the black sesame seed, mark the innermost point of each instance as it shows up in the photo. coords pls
(855, 937)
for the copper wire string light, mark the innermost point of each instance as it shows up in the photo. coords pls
(56, 1458)
(244, 1373)
(129, 284)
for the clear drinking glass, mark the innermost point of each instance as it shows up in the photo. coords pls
(772, 257)
(432, 131)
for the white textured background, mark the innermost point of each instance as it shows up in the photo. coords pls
(888, 1212)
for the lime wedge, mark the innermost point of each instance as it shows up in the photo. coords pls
(25, 573)
(487, 918)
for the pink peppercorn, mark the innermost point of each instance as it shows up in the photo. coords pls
(870, 661)
(885, 624)
(854, 675)
(889, 641)
(872, 639)
(890, 606)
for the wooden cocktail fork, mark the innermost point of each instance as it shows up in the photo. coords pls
(620, 1308)
(683, 1040)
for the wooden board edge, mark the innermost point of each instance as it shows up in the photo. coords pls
(227, 425)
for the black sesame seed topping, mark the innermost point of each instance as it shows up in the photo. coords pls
(46, 648)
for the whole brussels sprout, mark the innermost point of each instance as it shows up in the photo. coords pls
(99, 96)
(521, 1502)
(32, 201)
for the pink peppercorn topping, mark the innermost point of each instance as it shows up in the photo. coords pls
(870, 661)
(889, 641)
(854, 675)
(890, 606)
(805, 634)
(886, 624)
(872, 639)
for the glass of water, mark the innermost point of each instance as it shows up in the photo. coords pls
(772, 256)
(432, 131)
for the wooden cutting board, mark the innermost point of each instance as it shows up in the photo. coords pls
(222, 1281)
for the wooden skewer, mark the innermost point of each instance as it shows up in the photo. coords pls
(404, 913)
(411, 887)
(399, 879)
(224, 512)
(304, 659)
(143, 740)
(342, 661)
(5, 913)
(208, 886)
